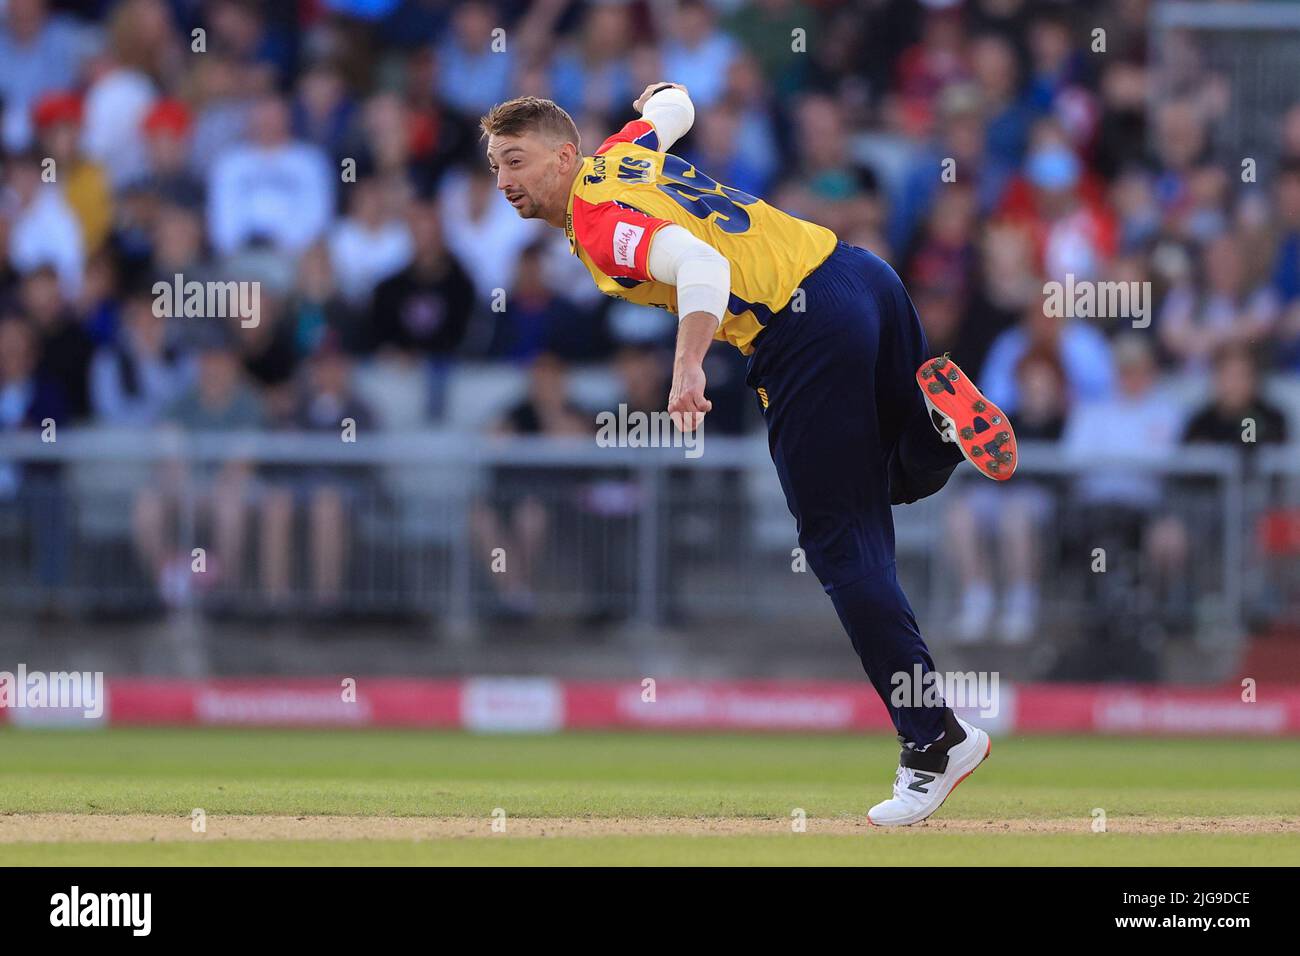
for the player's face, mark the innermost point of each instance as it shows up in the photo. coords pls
(528, 172)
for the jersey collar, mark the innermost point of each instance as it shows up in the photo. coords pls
(568, 213)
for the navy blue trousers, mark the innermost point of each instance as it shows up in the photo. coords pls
(850, 435)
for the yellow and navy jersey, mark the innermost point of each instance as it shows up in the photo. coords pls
(628, 191)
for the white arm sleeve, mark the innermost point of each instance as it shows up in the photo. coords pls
(672, 113)
(701, 274)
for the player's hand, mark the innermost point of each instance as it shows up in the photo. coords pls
(686, 401)
(639, 105)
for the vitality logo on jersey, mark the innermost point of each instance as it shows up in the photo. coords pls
(627, 236)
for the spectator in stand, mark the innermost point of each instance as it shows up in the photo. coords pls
(485, 234)
(959, 148)
(1286, 265)
(591, 73)
(29, 401)
(610, 500)
(1200, 316)
(43, 229)
(833, 188)
(940, 269)
(1132, 196)
(1122, 128)
(1128, 502)
(1182, 146)
(423, 134)
(1010, 116)
(336, 494)
(766, 29)
(144, 54)
(28, 396)
(535, 317)
(144, 36)
(1206, 215)
(57, 118)
(1122, 511)
(1238, 418)
(316, 313)
(39, 53)
(177, 245)
(425, 309)
(102, 294)
(135, 379)
(323, 111)
(238, 30)
(269, 353)
(1064, 208)
(398, 140)
(331, 495)
(1081, 349)
(929, 67)
(167, 129)
(66, 348)
(475, 65)
(220, 400)
(271, 189)
(696, 53)
(1004, 286)
(749, 95)
(1237, 414)
(1057, 61)
(983, 521)
(517, 514)
(373, 242)
(224, 99)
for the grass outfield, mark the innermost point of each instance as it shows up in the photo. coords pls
(627, 798)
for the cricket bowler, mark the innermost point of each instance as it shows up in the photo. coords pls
(859, 417)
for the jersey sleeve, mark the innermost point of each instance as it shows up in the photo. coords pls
(638, 132)
(616, 237)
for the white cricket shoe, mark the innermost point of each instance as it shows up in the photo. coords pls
(926, 777)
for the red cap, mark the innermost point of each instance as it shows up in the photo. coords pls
(168, 116)
(54, 108)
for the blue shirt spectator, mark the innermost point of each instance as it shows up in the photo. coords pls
(1085, 355)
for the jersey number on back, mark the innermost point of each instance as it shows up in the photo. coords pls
(701, 196)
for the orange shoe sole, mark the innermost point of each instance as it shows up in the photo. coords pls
(983, 431)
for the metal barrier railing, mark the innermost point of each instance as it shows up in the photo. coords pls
(467, 528)
(1240, 55)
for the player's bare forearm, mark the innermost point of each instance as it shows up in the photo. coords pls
(686, 401)
(694, 336)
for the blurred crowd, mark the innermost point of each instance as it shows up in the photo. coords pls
(328, 149)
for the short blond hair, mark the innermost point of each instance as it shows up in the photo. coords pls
(527, 114)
